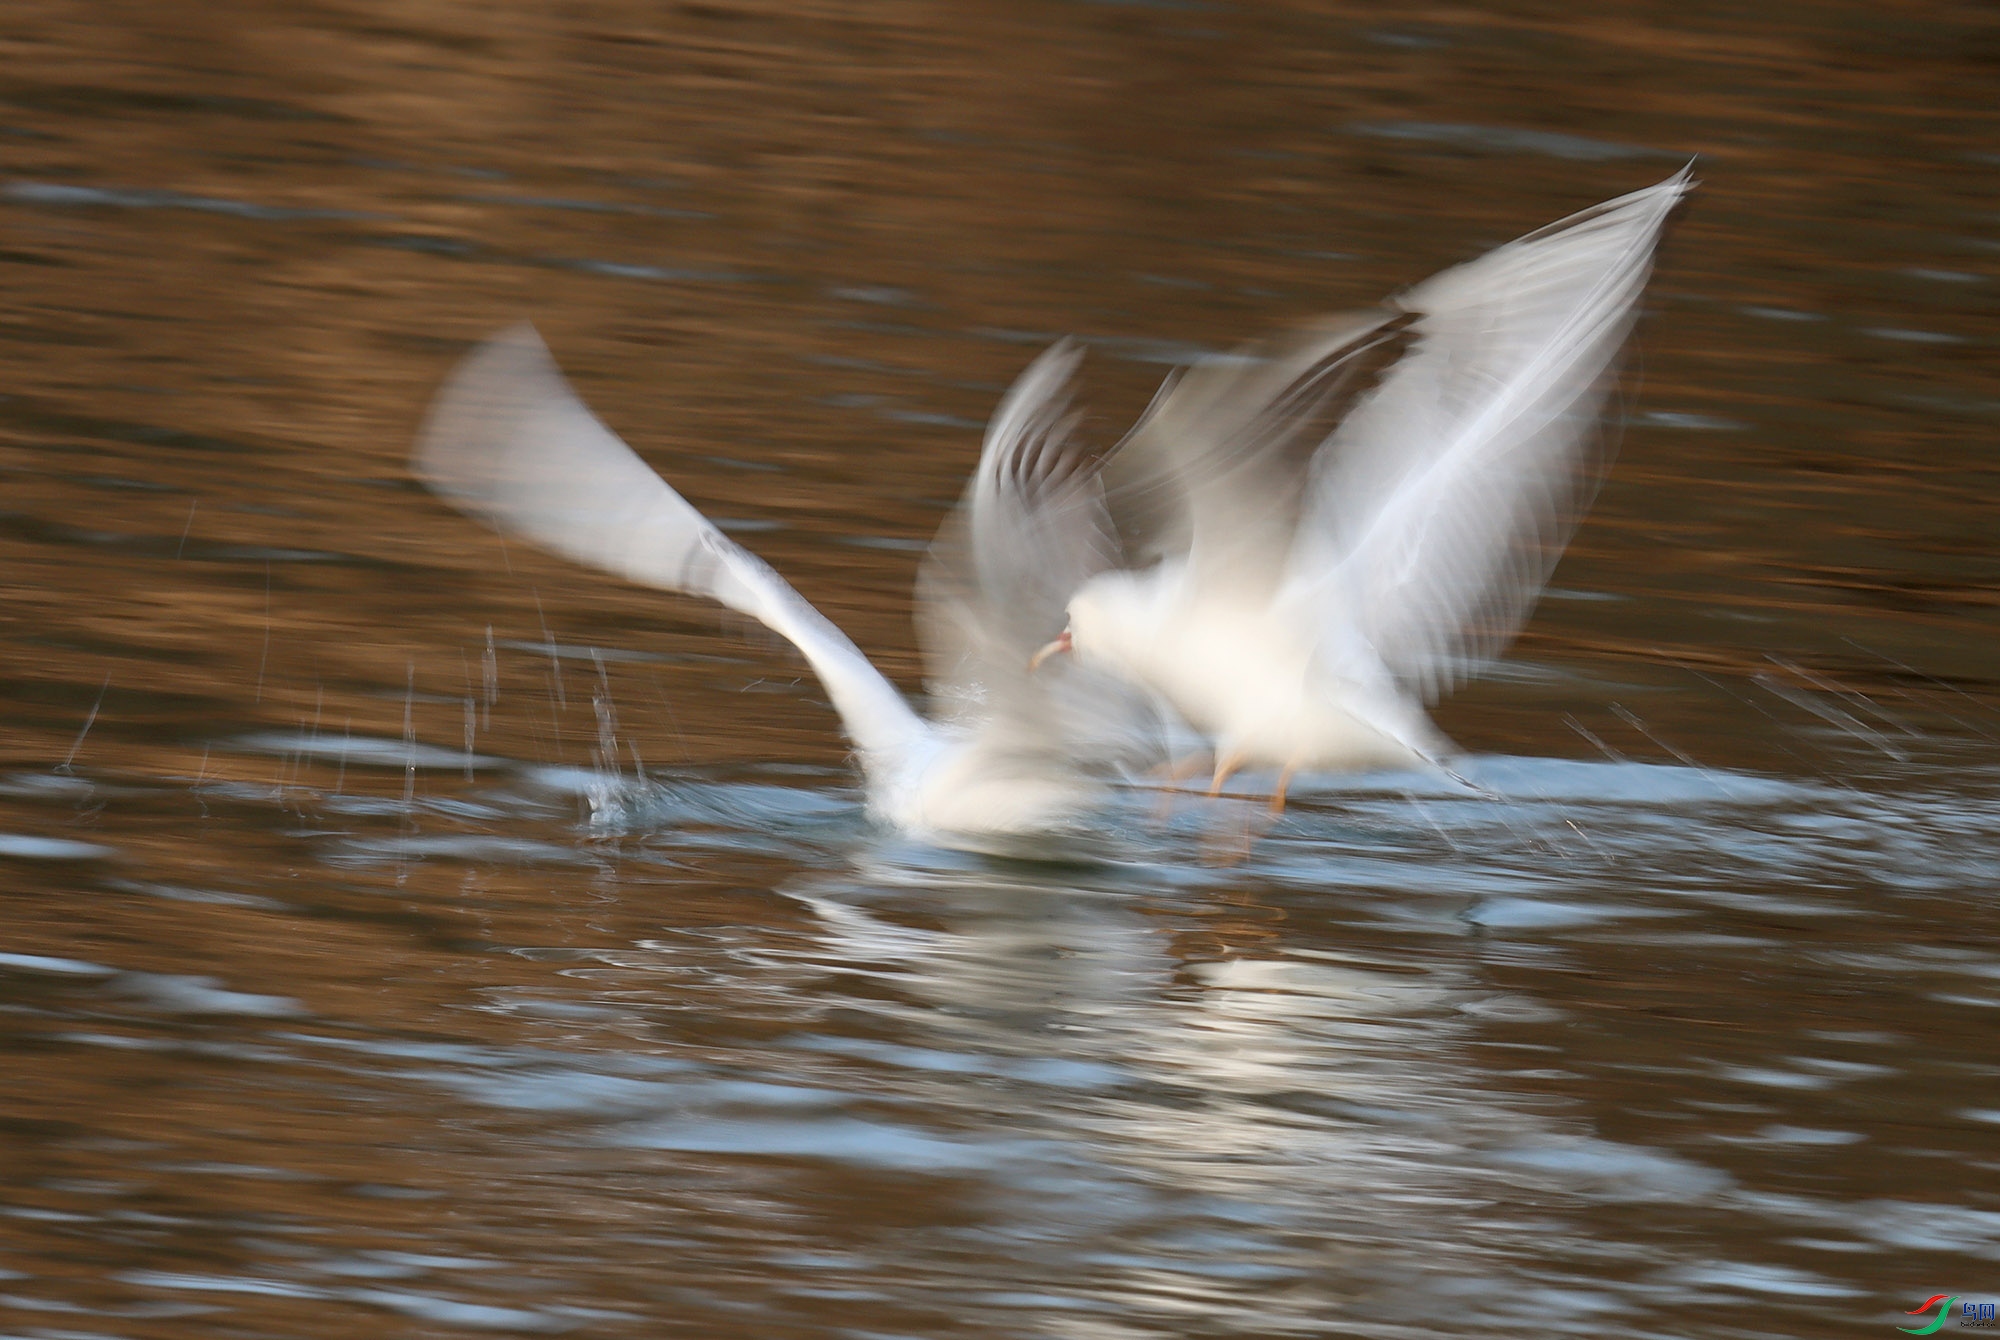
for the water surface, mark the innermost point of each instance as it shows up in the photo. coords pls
(410, 933)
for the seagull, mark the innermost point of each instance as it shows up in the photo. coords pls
(1301, 594)
(1009, 756)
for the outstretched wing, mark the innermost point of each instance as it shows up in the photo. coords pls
(508, 441)
(1216, 469)
(1440, 505)
(1030, 528)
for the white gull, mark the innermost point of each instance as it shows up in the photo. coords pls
(1010, 755)
(1300, 595)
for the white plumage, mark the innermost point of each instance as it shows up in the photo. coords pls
(1307, 592)
(1297, 585)
(1010, 756)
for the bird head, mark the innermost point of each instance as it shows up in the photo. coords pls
(1096, 620)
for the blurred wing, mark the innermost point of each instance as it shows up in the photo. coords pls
(1217, 467)
(1034, 514)
(508, 441)
(1442, 503)
(1030, 528)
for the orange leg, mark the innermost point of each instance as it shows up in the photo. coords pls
(1284, 784)
(1171, 777)
(1225, 768)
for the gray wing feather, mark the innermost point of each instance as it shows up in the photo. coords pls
(1030, 528)
(1216, 469)
(1440, 505)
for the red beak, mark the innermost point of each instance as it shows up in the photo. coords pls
(1062, 643)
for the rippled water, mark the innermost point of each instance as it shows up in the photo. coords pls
(413, 934)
